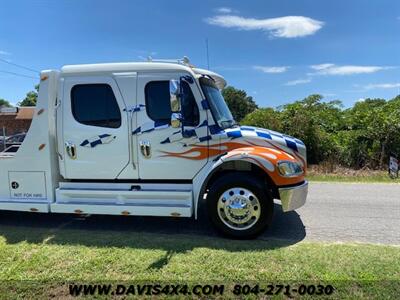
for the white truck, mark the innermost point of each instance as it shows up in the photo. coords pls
(150, 139)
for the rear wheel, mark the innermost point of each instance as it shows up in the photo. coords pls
(239, 205)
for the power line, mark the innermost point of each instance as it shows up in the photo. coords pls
(19, 66)
(18, 74)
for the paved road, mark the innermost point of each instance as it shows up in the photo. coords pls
(352, 212)
(334, 212)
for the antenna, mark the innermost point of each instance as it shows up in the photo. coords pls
(208, 58)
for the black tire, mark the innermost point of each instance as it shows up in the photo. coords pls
(247, 181)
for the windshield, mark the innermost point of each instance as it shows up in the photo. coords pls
(218, 106)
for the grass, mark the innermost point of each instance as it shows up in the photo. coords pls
(341, 174)
(377, 178)
(35, 262)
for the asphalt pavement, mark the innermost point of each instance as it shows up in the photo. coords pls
(334, 212)
(343, 212)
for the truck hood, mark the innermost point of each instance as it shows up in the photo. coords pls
(268, 138)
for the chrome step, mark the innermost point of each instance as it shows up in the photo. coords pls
(125, 199)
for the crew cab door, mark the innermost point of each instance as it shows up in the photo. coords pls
(93, 142)
(159, 159)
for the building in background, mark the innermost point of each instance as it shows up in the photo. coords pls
(15, 120)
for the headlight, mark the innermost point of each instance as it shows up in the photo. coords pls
(289, 168)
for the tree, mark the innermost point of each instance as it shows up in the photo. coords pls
(362, 136)
(265, 118)
(238, 102)
(368, 122)
(31, 98)
(313, 122)
(4, 103)
(377, 122)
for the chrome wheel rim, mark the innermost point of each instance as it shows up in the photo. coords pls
(238, 208)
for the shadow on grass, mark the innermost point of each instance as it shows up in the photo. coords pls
(173, 235)
(163, 261)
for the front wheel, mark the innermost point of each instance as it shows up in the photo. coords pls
(239, 205)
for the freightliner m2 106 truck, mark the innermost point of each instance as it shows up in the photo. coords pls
(150, 139)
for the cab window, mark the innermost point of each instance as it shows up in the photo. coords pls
(158, 103)
(95, 105)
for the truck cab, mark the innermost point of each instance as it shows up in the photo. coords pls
(150, 139)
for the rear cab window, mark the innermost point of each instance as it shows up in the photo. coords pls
(95, 105)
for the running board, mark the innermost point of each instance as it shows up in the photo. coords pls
(124, 199)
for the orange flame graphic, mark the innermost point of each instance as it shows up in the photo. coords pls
(199, 152)
(204, 151)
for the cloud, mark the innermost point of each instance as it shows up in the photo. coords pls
(273, 70)
(283, 27)
(332, 69)
(382, 86)
(298, 81)
(224, 10)
(2, 52)
(322, 66)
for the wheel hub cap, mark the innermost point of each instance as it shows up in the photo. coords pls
(238, 208)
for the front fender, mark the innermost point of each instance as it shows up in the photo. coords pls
(263, 157)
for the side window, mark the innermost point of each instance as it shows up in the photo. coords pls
(95, 105)
(157, 101)
(158, 105)
(189, 108)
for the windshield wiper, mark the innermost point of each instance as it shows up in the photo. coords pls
(230, 124)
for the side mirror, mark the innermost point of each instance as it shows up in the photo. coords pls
(175, 94)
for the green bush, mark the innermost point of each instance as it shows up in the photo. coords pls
(361, 136)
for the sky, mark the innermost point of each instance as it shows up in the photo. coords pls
(277, 51)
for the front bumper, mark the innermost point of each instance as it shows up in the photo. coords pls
(293, 197)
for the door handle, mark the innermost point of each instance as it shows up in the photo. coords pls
(145, 148)
(71, 149)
